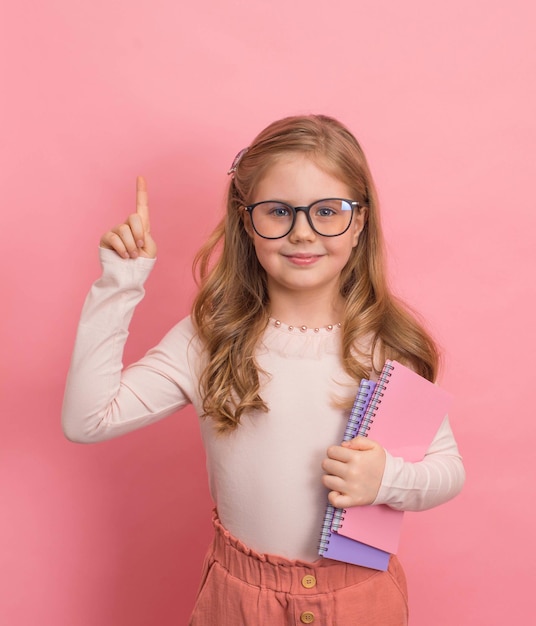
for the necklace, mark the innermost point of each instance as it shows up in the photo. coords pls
(304, 329)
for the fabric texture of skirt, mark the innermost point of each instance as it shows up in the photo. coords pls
(240, 587)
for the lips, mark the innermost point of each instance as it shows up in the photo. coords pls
(303, 258)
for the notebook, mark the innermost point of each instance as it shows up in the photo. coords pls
(403, 415)
(364, 393)
(339, 547)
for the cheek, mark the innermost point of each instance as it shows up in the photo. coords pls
(351, 239)
(345, 253)
(264, 250)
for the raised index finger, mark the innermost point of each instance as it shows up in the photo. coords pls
(142, 204)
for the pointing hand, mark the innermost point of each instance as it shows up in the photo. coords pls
(133, 238)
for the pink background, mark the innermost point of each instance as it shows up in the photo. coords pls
(93, 93)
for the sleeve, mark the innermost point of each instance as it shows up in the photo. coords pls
(102, 399)
(423, 485)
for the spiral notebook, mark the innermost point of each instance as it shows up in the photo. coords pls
(403, 415)
(364, 393)
(336, 546)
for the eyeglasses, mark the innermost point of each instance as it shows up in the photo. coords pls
(330, 217)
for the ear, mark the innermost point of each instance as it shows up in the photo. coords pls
(246, 218)
(358, 223)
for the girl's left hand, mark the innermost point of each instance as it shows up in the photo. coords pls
(354, 472)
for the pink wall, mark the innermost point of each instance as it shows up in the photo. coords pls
(93, 93)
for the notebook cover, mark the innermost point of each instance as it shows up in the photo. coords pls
(403, 415)
(341, 548)
(362, 401)
(376, 525)
(362, 398)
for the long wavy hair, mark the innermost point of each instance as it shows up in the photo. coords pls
(231, 309)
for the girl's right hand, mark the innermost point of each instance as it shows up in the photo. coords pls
(133, 239)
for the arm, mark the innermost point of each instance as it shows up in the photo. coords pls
(101, 399)
(434, 480)
(361, 472)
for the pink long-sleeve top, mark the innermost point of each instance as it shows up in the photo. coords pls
(265, 477)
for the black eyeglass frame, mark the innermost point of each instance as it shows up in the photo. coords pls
(306, 209)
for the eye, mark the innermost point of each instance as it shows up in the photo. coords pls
(273, 209)
(325, 211)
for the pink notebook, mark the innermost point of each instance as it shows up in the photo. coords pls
(403, 415)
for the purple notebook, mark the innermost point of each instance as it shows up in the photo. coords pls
(341, 548)
(338, 547)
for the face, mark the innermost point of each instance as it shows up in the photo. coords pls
(303, 261)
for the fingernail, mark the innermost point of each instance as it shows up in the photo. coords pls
(140, 243)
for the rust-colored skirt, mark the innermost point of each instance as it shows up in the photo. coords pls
(240, 587)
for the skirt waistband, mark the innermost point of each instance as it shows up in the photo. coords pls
(280, 574)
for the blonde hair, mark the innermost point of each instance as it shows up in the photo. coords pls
(230, 311)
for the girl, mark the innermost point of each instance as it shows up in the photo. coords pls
(293, 310)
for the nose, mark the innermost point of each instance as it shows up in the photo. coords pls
(301, 231)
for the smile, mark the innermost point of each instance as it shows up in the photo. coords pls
(303, 259)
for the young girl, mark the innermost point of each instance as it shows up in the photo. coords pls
(293, 310)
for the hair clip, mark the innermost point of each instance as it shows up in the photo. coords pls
(236, 161)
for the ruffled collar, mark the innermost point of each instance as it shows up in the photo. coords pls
(301, 344)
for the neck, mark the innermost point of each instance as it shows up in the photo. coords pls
(306, 309)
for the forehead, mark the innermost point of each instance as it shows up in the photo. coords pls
(298, 179)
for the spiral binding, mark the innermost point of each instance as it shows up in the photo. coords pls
(353, 423)
(326, 529)
(356, 412)
(364, 426)
(370, 413)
